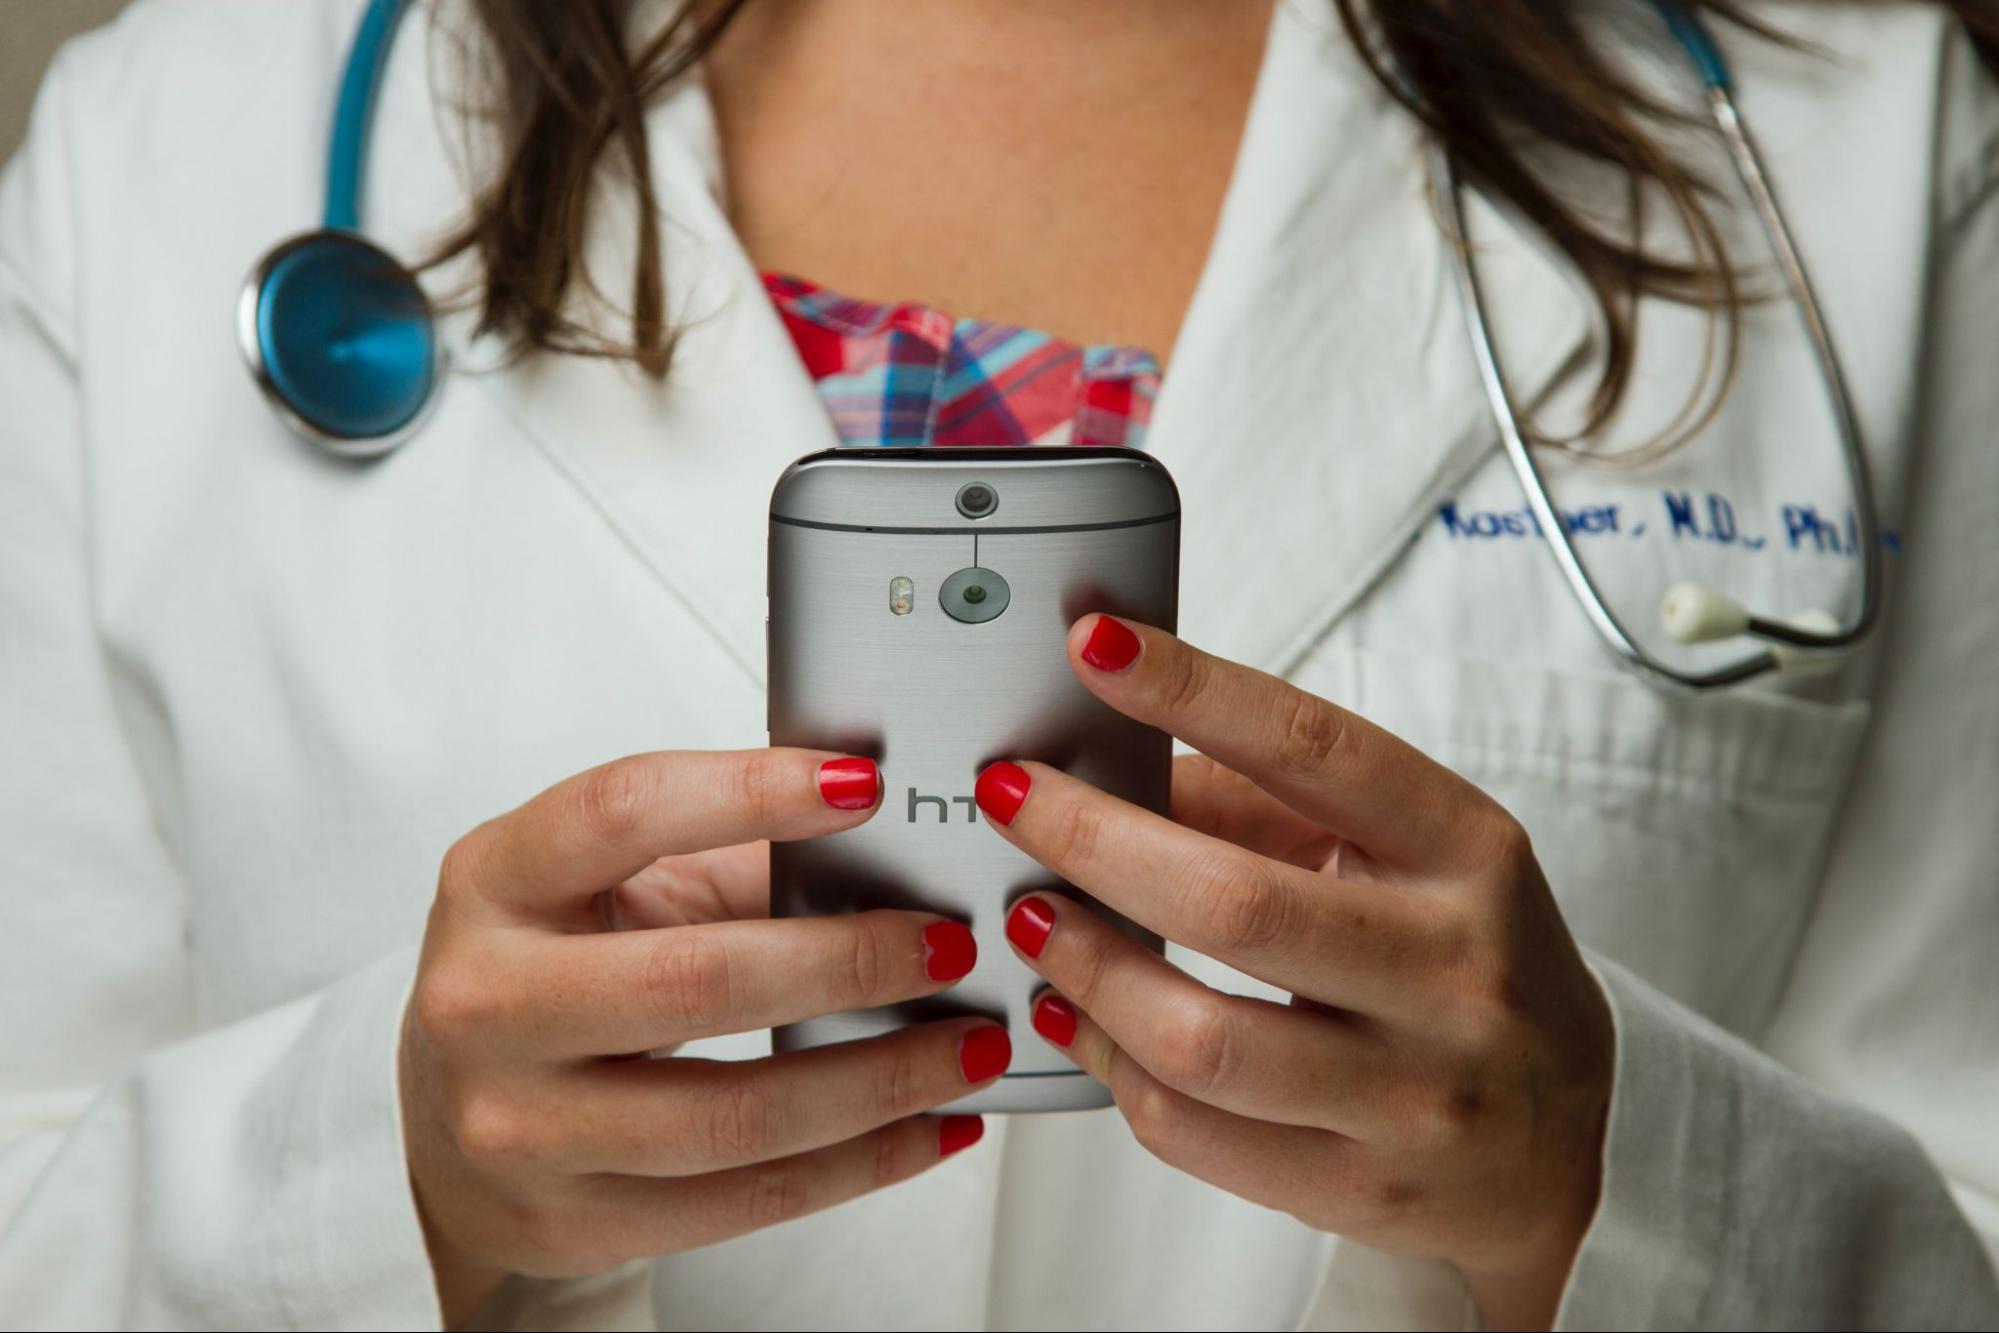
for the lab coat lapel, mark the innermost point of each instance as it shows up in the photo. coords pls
(1322, 397)
(681, 470)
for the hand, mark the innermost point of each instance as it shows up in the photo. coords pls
(1438, 1084)
(560, 940)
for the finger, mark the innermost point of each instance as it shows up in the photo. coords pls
(601, 827)
(726, 884)
(650, 1217)
(683, 1117)
(1331, 765)
(573, 996)
(1345, 944)
(1244, 1055)
(1287, 1167)
(1220, 802)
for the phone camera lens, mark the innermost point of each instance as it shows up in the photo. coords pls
(974, 595)
(977, 500)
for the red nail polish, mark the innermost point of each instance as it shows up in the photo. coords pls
(958, 1132)
(948, 951)
(1001, 789)
(1028, 925)
(1111, 647)
(984, 1053)
(1055, 1019)
(850, 784)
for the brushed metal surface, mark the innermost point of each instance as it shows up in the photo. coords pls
(934, 700)
(918, 488)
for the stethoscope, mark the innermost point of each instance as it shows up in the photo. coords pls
(1691, 612)
(343, 342)
(338, 334)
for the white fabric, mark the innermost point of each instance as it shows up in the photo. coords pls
(249, 695)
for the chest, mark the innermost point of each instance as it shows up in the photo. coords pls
(1049, 167)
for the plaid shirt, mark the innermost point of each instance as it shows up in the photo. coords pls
(908, 375)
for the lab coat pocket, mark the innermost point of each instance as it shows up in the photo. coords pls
(1684, 835)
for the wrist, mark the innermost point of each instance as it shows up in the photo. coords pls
(1524, 1295)
(1519, 1283)
(464, 1283)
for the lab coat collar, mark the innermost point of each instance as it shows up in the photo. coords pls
(682, 469)
(1320, 399)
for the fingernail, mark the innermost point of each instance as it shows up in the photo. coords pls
(1028, 924)
(985, 1053)
(948, 951)
(958, 1132)
(1055, 1019)
(1001, 789)
(1111, 647)
(849, 784)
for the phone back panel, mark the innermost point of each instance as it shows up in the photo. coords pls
(934, 700)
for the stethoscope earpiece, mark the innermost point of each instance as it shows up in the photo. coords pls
(340, 338)
(1797, 661)
(1696, 613)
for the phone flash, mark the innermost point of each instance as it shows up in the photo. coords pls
(902, 594)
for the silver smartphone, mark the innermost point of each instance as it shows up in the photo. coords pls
(919, 602)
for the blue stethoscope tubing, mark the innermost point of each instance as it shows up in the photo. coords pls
(1691, 612)
(338, 333)
(344, 343)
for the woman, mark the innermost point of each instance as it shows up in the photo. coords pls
(1612, 1006)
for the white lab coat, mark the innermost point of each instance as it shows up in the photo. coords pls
(248, 695)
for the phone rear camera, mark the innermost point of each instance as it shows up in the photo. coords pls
(974, 595)
(977, 500)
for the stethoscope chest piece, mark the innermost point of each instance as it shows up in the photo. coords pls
(341, 339)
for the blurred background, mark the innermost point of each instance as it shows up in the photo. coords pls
(30, 31)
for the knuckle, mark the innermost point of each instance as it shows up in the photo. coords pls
(452, 1006)
(1442, 1111)
(491, 1131)
(1250, 911)
(610, 801)
(740, 1124)
(1515, 844)
(1494, 1007)
(1077, 834)
(1153, 1114)
(1092, 954)
(1199, 1047)
(759, 788)
(458, 871)
(1183, 679)
(1376, 1198)
(867, 963)
(690, 983)
(775, 1194)
(1454, 944)
(1458, 1110)
(1389, 1198)
(1314, 734)
(898, 1081)
(1505, 866)
(889, 1155)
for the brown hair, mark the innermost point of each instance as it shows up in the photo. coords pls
(1499, 82)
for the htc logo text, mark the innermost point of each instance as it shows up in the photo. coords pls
(918, 801)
